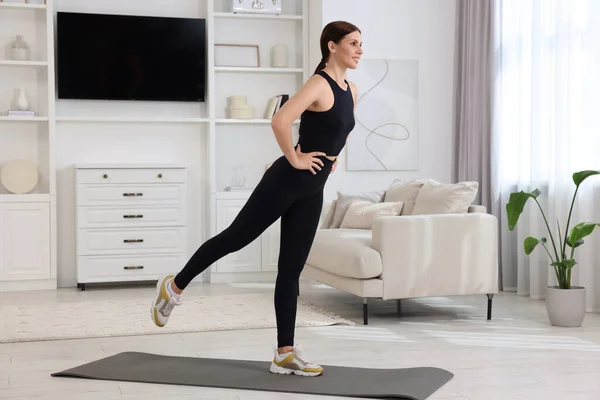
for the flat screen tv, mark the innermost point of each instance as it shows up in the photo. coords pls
(123, 57)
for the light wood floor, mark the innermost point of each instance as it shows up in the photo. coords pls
(517, 355)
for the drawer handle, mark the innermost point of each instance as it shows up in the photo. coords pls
(129, 267)
(132, 194)
(133, 216)
(105, 176)
(133, 240)
(159, 175)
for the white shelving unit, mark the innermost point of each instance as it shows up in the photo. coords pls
(229, 140)
(28, 251)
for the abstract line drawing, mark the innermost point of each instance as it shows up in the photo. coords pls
(385, 135)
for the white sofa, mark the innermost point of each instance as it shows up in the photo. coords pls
(409, 256)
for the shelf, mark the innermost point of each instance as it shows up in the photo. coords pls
(25, 198)
(279, 17)
(246, 121)
(259, 70)
(23, 119)
(14, 63)
(133, 120)
(23, 6)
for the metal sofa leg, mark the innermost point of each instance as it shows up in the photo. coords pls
(365, 312)
(490, 296)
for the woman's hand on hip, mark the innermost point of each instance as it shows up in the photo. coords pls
(308, 161)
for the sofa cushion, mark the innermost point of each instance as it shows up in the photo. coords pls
(344, 201)
(360, 214)
(404, 191)
(345, 252)
(440, 198)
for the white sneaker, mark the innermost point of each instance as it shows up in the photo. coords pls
(294, 363)
(163, 304)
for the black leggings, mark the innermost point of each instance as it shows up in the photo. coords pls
(297, 197)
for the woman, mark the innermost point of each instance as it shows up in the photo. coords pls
(292, 188)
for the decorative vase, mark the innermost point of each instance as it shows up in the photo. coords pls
(565, 307)
(22, 102)
(238, 180)
(19, 50)
(279, 57)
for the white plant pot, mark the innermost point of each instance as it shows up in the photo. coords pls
(565, 307)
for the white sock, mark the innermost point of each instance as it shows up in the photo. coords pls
(170, 289)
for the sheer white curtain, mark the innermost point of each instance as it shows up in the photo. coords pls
(545, 127)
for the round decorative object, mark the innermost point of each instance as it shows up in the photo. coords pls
(19, 176)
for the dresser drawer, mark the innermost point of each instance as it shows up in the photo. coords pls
(131, 241)
(131, 175)
(109, 195)
(127, 268)
(115, 217)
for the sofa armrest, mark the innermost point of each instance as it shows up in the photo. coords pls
(437, 255)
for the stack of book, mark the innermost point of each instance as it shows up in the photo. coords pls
(274, 104)
(19, 113)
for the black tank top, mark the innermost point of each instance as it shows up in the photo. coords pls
(326, 131)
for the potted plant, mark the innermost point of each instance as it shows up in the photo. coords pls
(565, 304)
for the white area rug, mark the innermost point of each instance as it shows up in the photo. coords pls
(86, 319)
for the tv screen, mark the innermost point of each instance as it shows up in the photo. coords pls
(122, 57)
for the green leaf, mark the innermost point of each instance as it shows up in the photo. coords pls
(580, 231)
(567, 264)
(530, 244)
(580, 176)
(516, 204)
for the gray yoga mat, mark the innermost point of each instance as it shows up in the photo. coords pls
(406, 383)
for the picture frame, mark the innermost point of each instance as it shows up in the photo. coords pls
(237, 55)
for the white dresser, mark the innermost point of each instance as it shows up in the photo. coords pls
(131, 222)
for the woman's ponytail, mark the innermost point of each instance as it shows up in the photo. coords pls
(321, 65)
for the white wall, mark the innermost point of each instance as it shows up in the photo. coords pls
(411, 29)
(91, 142)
